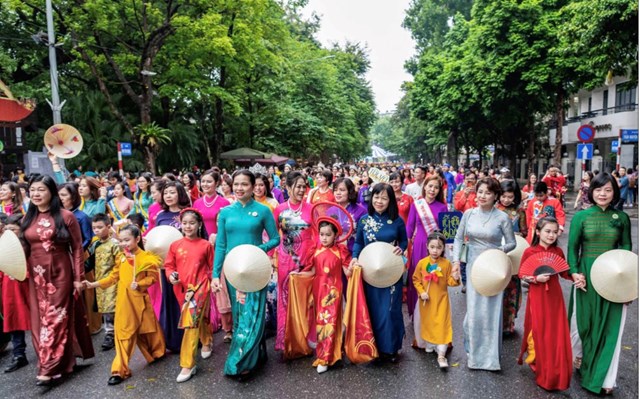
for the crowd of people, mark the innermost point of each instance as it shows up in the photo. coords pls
(84, 236)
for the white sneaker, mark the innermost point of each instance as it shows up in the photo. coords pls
(442, 362)
(321, 368)
(186, 377)
(206, 354)
(428, 349)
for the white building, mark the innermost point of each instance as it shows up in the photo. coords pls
(609, 109)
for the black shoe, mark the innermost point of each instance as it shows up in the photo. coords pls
(464, 289)
(16, 363)
(108, 343)
(115, 380)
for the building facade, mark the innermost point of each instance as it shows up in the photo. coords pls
(610, 110)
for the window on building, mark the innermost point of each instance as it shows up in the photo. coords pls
(626, 97)
(589, 110)
(605, 102)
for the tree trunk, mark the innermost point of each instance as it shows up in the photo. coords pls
(531, 150)
(557, 150)
(150, 160)
(452, 147)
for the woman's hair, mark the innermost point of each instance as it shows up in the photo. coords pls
(440, 195)
(392, 209)
(244, 172)
(123, 186)
(94, 187)
(214, 175)
(135, 232)
(600, 181)
(184, 200)
(293, 177)
(202, 231)
(228, 181)
(334, 228)
(267, 185)
(492, 185)
(16, 201)
(149, 178)
(436, 235)
(510, 186)
(72, 189)
(590, 174)
(327, 175)
(539, 226)
(55, 209)
(394, 176)
(192, 179)
(351, 189)
(136, 219)
(169, 177)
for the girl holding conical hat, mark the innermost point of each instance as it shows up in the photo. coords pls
(243, 223)
(385, 304)
(594, 231)
(483, 228)
(546, 331)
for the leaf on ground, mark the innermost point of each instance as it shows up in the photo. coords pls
(455, 365)
(152, 379)
(130, 387)
(627, 348)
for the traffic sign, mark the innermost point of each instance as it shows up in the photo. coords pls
(614, 146)
(585, 151)
(629, 135)
(586, 133)
(126, 149)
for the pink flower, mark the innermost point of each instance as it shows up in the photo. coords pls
(51, 289)
(39, 280)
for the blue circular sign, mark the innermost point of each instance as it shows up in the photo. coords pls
(586, 133)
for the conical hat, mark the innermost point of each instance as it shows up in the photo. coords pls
(247, 267)
(160, 238)
(614, 275)
(491, 272)
(515, 256)
(63, 141)
(380, 267)
(12, 261)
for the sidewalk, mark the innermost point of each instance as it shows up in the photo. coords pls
(571, 197)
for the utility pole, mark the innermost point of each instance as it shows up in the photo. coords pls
(53, 67)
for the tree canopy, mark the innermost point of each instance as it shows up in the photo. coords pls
(185, 81)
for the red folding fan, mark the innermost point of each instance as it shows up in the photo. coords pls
(333, 213)
(541, 263)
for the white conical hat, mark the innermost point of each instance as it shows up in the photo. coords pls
(160, 238)
(491, 272)
(62, 140)
(12, 262)
(614, 275)
(515, 256)
(380, 267)
(247, 267)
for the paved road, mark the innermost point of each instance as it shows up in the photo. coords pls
(415, 376)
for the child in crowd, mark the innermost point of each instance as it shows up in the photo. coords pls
(432, 316)
(546, 330)
(15, 303)
(188, 267)
(540, 206)
(135, 322)
(328, 262)
(103, 252)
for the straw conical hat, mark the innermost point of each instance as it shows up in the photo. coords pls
(12, 261)
(63, 141)
(515, 256)
(491, 272)
(614, 275)
(247, 268)
(380, 267)
(160, 238)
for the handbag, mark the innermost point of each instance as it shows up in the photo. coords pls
(464, 250)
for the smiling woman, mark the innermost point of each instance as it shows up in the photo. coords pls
(52, 235)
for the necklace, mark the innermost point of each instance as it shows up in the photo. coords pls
(209, 204)
(295, 211)
(488, 217)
